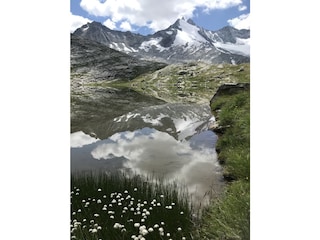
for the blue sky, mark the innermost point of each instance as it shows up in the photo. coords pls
(148, 16)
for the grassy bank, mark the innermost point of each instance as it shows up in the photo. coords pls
(228, 217)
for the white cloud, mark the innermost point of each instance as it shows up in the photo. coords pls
(242, 7)
(152, 13)
(125, 26)
(77, 21)
(109, 24)
(241, 22)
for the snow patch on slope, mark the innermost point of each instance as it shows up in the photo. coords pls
(121, 47)
(241, 47)
(154, 42)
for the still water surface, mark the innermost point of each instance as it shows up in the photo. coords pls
(120, 129)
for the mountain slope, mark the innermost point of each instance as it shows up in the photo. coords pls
(92, 61)
(181, 42)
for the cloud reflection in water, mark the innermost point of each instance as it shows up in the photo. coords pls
(149, 151)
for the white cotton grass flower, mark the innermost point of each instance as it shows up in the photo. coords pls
(79, 210)
(135, 189)
(118, 225)
(179, 229)
(142, 227)
(99, 190)
(112, 217)
(94, 230)
(168, 234)
(162, 196)
(162, 223)
(96, 215)
(104, 196)
(125, 191)
(161, 229)
(181, 213)
(156, 226)
(136, 225)
(183, 238)
(144, 232)
(99, 201)
(150, 229)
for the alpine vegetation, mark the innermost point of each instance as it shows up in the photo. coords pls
(119, 207)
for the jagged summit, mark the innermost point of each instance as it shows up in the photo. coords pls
(183, 41)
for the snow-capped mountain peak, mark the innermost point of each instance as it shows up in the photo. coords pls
(187, 33)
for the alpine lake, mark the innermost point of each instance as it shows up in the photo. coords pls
(152, 130)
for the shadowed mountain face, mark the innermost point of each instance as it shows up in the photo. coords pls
(92, 61)
(183, 41)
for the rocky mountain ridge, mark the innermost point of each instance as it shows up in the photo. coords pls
(183, 41)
